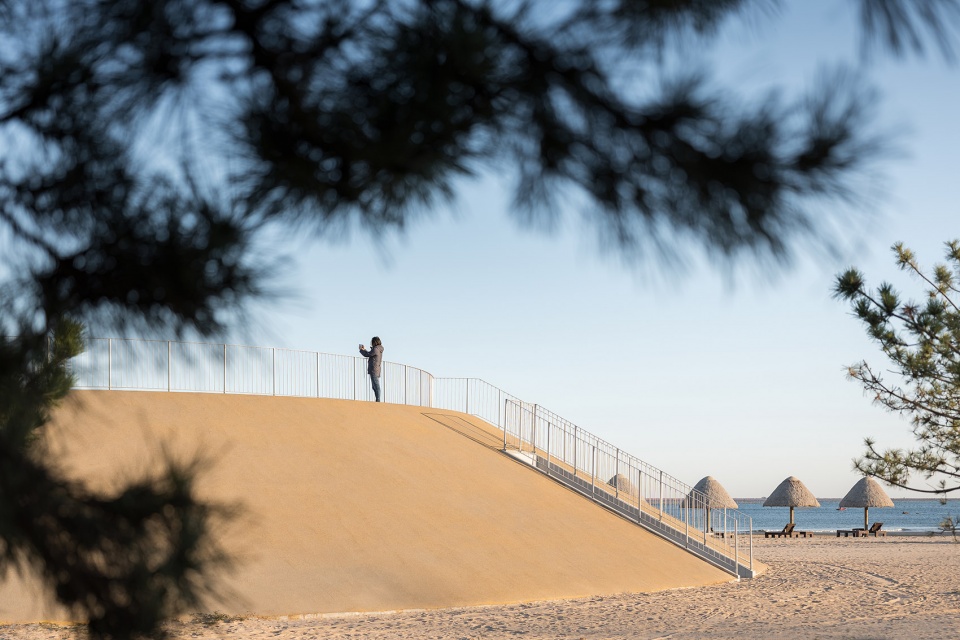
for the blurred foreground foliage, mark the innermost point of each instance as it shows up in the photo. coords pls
(146, 146)
(125, 561)
(921, 341)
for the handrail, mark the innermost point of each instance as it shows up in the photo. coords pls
(572, 455)
(629, 486)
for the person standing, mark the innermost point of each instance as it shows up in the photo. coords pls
(374, 357)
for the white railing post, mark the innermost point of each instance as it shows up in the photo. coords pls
(575, 465)
(169, 365)
(109, 363)
(706, 521)
(616, 476)
(224, 368)
(273, 370)
(548, 448)
(736, 544)
(564, 449)
(318, 373)
(533, 433)
(639, 493)
(593, 473)
(661, 495)
(505, 425)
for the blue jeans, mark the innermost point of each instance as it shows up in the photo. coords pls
(375, 381)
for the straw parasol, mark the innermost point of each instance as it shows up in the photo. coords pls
(791, 493)
(715, 496)
(622, 484)
(866, 493)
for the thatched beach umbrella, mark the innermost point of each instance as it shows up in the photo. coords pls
(626, 488)
(714, 495)
(791, 493)
(866, 493)
(622, 484)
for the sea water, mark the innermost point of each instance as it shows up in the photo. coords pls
(907, 515)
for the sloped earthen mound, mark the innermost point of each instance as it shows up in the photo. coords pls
(352, 506)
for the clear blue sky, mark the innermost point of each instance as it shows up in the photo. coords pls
(741, 378)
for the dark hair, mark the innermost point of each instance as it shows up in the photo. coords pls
(375, 341)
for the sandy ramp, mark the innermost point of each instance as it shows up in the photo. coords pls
(354, 506)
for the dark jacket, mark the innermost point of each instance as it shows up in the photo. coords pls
(374, 358)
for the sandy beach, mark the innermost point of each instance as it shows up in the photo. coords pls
(440, 559)
(894, 587)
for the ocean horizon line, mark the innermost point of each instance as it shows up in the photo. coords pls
(762, 498)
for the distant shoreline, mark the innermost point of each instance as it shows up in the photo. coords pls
(894, 498)
(926, 533)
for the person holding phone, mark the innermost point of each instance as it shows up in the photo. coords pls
(374, 357)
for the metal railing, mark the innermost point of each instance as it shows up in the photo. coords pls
(629, 486)
(577, 458)
(154, 365)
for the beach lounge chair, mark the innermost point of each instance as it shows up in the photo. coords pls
(874, 529)
(786, 532)
(849, 532)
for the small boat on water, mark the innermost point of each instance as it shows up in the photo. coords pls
(841, 508)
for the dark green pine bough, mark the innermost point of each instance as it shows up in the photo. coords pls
(145, 147)
(922, 342)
